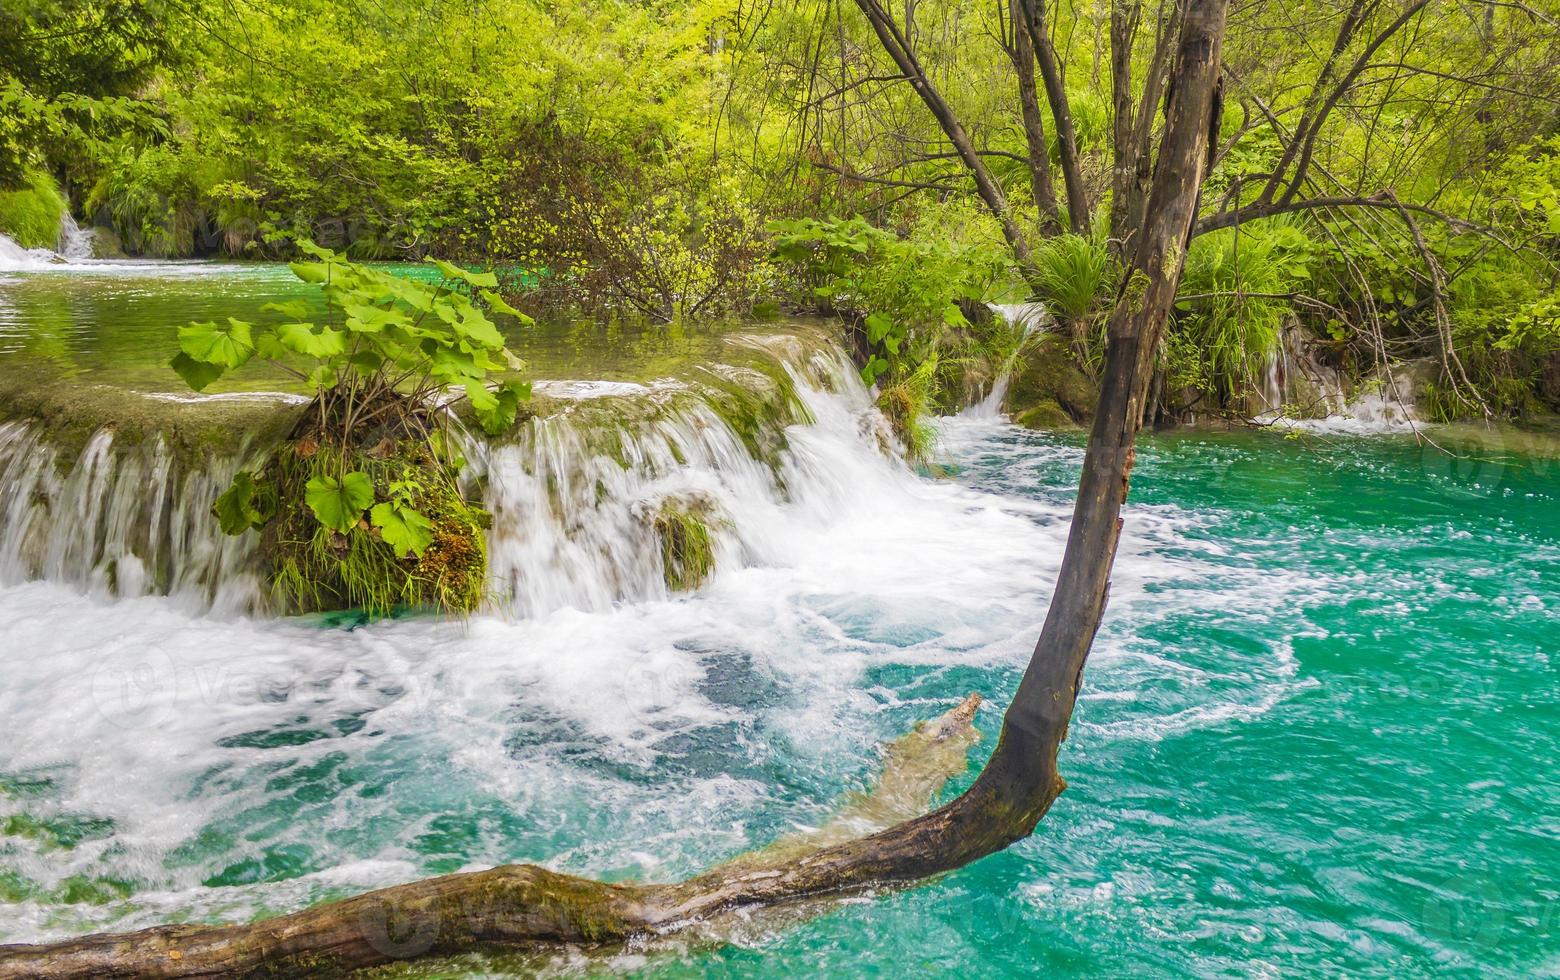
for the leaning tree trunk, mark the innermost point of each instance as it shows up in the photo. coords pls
(529, 906)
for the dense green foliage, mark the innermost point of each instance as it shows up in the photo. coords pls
(31, 214)
(1392, 167)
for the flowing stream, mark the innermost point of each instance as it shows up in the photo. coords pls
(1317, 733)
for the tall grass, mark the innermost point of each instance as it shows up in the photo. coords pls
(32, 215)
(1232, 307)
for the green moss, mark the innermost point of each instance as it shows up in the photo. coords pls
(687, 544)
(64, 831)
(906, 402)
(311, 568)
(194, 431)
(1045, 415)
(1048, 373)
(85, 890)
(32, 215)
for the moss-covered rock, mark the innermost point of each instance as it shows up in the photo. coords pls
(1050, 376)
(312, 568)
(1045, 415)
(685, 529)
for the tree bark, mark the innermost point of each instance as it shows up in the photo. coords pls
(1022, 54)
(534, 907)
(1079, 214)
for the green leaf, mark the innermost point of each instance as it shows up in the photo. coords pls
(474, 326)
(196, 374)
(403, 528)
(878, 326)
(496, 303)
(302, 338)
(324, 376)
(227, 346)
(244, 505)
(496, 408)
(310, 271)
(308, 247)
(487, 279)
(339, 504)
(295, 308)
(364, 318)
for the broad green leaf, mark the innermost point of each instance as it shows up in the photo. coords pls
(481, 397)
(367, 361)
(403, 528)
(366, 318)
(302, 338)
(487, 279)
(496, 408)
(479, 328)
(310, 271)
(339, 504)
(309, 248)
(295, 308)
(244, 505)
(878, 326)
(496, 303)
(227, 346)
(196, 374)
(324, 376)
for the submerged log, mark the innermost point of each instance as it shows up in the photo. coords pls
(531, 907)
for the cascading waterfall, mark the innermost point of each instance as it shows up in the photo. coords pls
(574, 497)
(1029, 317)
(1296, 379)
(123, 520)
(75, 242)
(15, 258)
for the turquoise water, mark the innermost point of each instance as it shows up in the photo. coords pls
(1393, 812)
(1317, 734)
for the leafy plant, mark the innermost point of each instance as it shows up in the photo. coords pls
(905, 293)
(392, 336)
(1234, 298)
(370, 462)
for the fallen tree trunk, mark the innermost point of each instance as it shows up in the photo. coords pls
(529, 906)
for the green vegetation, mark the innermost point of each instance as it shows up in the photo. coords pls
(687, 541)
(361, 508)
(1388, 194)
(31, 215)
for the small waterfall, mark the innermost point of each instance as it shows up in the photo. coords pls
(15, 258)
(121, 521)
(1029, 318)
(1299, 391)
(75, 243)
(574, 496)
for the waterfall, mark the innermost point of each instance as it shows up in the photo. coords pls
(15, 258)
(121, 520)
(573, 493)
(75, 242)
